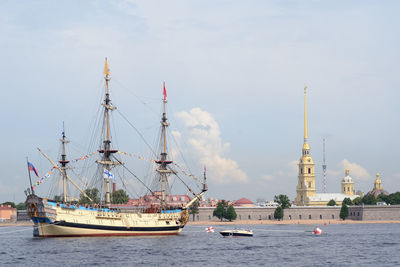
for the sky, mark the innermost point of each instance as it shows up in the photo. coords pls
(235, 73)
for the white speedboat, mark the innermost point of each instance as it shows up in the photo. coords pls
(237, 232)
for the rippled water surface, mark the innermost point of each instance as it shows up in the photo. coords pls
(272, 245)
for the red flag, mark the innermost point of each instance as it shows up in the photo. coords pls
(165, 92)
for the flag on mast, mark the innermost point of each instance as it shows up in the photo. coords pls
(106, 69)
(165, 92)
(108, 174)
(32, 168)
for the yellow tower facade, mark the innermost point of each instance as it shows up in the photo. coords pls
(306, 176)
(347, 184)
(378, 183)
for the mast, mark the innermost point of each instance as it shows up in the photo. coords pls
(66, 175)
(106, 150)
(30, 179)
(205, 188)
(64, 163)
(163, 162)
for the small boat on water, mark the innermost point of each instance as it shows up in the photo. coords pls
(237, 232)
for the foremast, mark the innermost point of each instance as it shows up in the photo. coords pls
(163, 161)
(106, 150)
(64, 163)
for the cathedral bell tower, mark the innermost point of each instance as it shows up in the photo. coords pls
(347, 184)
(306, 182)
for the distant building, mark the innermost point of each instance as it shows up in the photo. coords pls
(359, 193)
(8, 213)
(267, 204)
(209, 202)
(171, 200)
(378, 189)
(347, 184)
(243, 202)
(306, 195)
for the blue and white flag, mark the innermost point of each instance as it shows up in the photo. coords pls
(108, 174)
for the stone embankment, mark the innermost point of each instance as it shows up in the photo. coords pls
(273, 222)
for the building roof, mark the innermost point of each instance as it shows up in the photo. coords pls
(377, 192)
(6, 207)
(242, 201)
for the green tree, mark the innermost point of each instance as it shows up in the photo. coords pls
(331, 203)
(357, 201)
(347, 201)
(194, 209)
(383, 198)
(93, 193)
(21, 206)
(12, 204)
(119, 197)
(394, 199)
(220, 210)
(369, 200)
(344, 212)
(278, 214)
(283, 201)
(230, 213)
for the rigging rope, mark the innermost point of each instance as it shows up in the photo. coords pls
(137, 178)
(137, 131)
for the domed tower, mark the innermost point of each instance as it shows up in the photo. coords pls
(378, 189)
(347, 184)
(306, 181)
(378, 183)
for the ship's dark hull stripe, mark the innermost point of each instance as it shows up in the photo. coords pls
(236, 234)
(114, 234)
(117, 228)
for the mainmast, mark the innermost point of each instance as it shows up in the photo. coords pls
(106, 150)
(163, 162)
(64, 163)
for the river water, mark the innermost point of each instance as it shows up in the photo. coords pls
(272, 245)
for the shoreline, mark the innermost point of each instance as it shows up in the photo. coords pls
(24, 223)
(288, 222)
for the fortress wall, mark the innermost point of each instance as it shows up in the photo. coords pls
(312, 213)
(381, 213)
(306, 213)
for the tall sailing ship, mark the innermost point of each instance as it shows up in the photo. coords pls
(64, 218)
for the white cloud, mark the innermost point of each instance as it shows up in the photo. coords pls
(356, 170)
(204, 136)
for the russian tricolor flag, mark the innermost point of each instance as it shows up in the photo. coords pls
(32, 168)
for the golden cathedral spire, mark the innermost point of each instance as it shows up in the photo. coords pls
(306, 179)
(306, 146)
(305, 115)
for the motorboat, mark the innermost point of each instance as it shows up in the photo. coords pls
(236, 232)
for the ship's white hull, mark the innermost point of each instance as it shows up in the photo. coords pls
(53, 230)
(60, 220)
